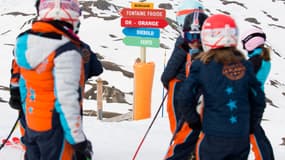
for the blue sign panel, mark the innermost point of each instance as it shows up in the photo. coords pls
(142, 32)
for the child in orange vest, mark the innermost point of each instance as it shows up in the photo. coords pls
(51, 79)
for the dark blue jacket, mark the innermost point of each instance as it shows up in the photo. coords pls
(93, 67)
(231, 105)
(175, 67)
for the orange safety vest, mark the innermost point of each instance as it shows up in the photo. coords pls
(40, 106)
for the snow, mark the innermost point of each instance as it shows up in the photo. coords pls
(119, 140)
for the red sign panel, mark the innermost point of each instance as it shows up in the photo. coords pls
(143, 23)
(143, 13)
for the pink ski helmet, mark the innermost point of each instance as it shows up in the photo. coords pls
(252, 39)
(62, 10)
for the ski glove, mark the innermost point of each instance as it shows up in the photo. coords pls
(15, 98)
(83, 150)
(195, 125)
(254, 125)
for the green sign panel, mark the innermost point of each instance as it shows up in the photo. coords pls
(142, 42)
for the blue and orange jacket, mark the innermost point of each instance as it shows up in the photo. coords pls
(52, 77)
(179, 64)
(227, 104)
(175, 67)
(15, 74)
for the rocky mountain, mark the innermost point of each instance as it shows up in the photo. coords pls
(101, 29)
(102, 13)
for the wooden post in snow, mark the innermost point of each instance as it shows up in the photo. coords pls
(99, 99)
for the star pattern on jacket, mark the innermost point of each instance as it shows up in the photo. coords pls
(232, 105)
(233, 119)
(32, 94)
(229, 90)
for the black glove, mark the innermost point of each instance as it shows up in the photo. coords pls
(15, 98)
(254, 125)
(83, 150)
(195, 125)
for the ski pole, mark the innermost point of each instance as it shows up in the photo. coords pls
(164, 60)
(9, 135)
(146, 133)
(179, 126)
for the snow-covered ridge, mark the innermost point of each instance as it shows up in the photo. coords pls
(101, 29)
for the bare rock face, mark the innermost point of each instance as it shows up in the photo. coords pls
(110, 94)
(283, 141)
(166, 6)
(115, 67)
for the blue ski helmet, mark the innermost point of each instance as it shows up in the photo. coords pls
(186, 7)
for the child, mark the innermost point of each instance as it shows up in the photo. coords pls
(230, 89)
(253, 42)
(186, 48)
(51, 80)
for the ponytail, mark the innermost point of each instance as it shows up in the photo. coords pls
(265, 53)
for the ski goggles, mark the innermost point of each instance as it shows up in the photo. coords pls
(192, 36)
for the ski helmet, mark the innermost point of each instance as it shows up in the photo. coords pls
(192, 26)
(63, 10)
(219, 31)
(186, 7)
(252, 39)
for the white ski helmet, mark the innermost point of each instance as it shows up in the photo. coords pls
(252, 39)
(219, 31)
(186, 7)
(63, 10)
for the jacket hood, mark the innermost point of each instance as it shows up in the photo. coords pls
(32, 49)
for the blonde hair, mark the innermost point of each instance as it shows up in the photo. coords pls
(226, 55)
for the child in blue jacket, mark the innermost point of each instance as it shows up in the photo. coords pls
(233, 99)
(253, 41)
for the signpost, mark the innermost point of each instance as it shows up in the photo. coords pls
(142, 5)
(142, 24)
(143, 42)
(143, 13)
(142, 32)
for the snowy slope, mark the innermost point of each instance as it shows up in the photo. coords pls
(103, 32)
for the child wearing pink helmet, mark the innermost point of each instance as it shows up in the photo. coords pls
(49, 84)
(253, 41)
